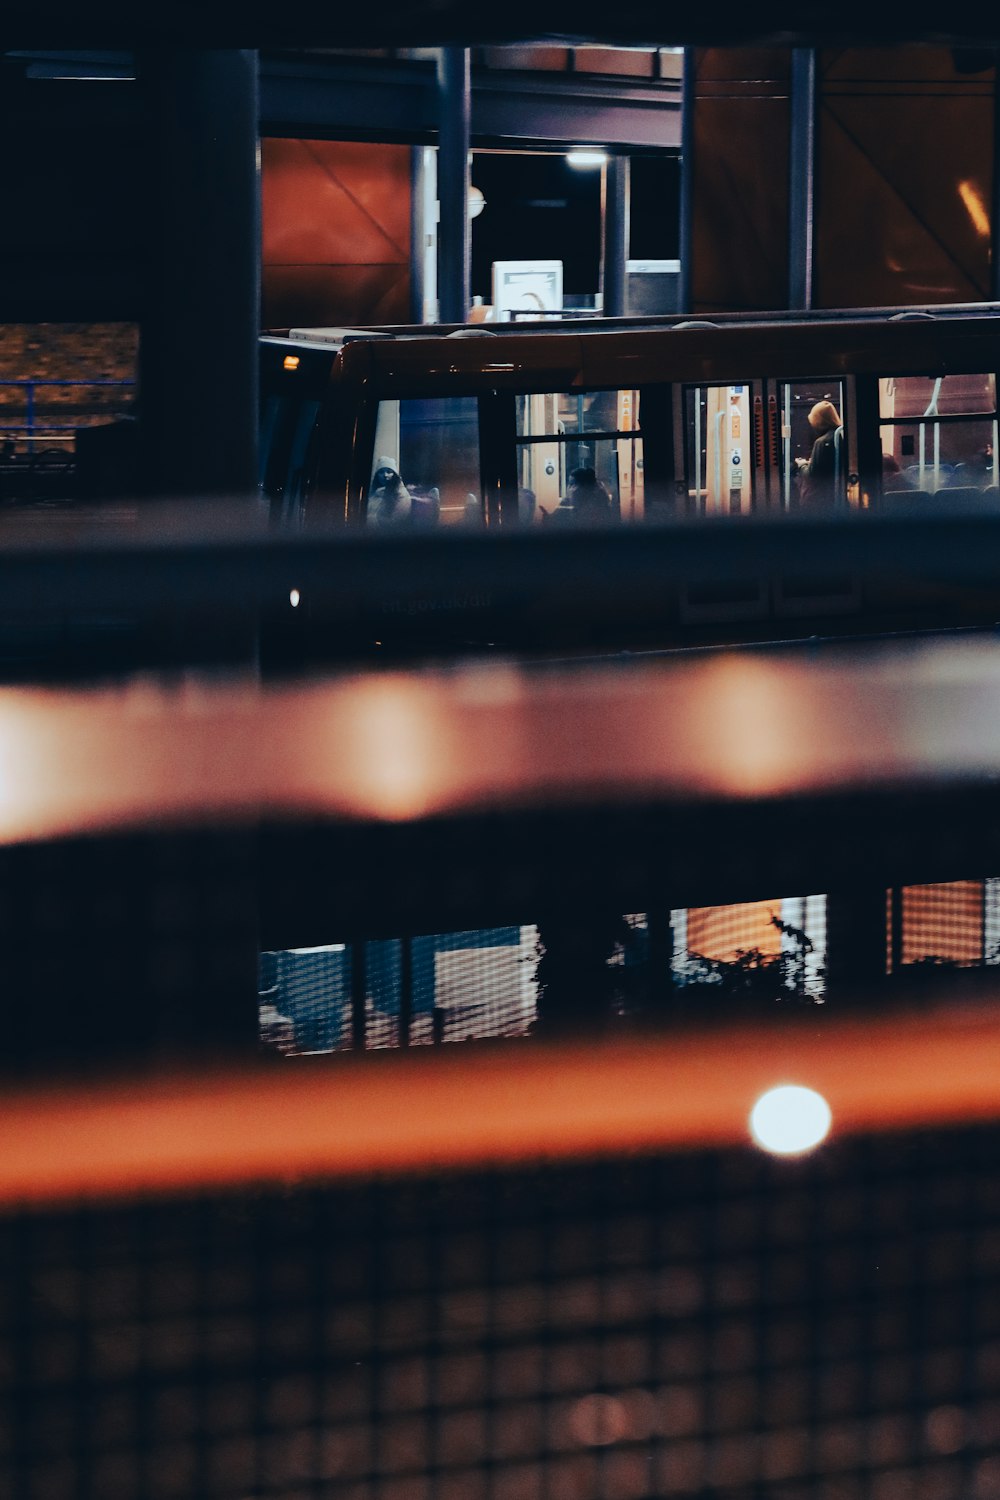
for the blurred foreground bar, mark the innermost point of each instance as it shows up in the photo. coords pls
(157, 836)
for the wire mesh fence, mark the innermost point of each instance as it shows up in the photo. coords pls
(713, 1323)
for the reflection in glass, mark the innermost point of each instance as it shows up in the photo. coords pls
(954, 925)
(594, 970)
(765, 950)
(901, 396)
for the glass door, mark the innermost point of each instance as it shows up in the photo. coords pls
(722, 459)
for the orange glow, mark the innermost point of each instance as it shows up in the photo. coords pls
(460, 1107)
(291, 362)
(391, 746)
(975, 207)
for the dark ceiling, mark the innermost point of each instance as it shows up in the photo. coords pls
(404, 23)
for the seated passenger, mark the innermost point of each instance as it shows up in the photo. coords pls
(586, 501)
(388, 498)
(425, 504)
(892, 476)
(525, 505)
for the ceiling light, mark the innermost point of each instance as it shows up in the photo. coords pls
(586, 158)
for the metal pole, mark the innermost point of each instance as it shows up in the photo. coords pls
(454, 129)
(801, 178)
(614, 264)
(418, 235)
(198, 393)
(995, 198)
(685, 289)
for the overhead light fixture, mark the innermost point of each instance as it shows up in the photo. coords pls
(586, 157)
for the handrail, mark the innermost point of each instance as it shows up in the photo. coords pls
(30, 385)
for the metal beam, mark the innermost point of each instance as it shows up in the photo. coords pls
(398, 100)
(615, 225)
(454, 239)
(801, 178)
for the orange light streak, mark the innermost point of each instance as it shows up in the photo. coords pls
(972, 198)
(452, 1109)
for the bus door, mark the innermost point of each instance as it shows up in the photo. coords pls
(816, 473)
(721, 460)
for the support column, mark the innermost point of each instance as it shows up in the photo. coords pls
(995, 195)
(454, 131)
(198, 392)
(688, 77)
(802, 178)
(418, 234)
(615, 219)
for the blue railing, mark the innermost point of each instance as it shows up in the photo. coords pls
(31, 430)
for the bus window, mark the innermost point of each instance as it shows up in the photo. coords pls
(579, 456)
(425, 468)
(287, 449)
(939, 433)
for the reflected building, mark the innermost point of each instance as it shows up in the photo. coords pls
(690, 963)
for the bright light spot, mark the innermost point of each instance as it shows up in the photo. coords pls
(291, 361)
(586, 158)
(294, 598)
(789, 1120)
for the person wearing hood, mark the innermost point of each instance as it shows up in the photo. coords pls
(389, 500)
(820, 481)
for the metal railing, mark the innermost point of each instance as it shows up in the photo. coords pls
(31, 430)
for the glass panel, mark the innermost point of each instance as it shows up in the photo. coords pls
(759, 950)
(717, 449)
(305, 999)
(287, 444)
(935, 396)
(577, 412)
(939, 455)
(426, 463)
(468, 985)
(813, 451)
(570, 482)
(943, 923)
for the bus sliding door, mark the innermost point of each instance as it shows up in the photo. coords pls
(816, 473)
(722, 458)
(722, 468)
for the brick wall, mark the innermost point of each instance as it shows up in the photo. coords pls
(66, 351)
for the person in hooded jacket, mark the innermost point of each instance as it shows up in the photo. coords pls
(389, 501)
(820, 480)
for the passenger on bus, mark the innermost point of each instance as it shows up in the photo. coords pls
(892, 476)
(389, 500)
(820, 473)
(586, 501)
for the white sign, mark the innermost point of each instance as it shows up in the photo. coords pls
(526, 288)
